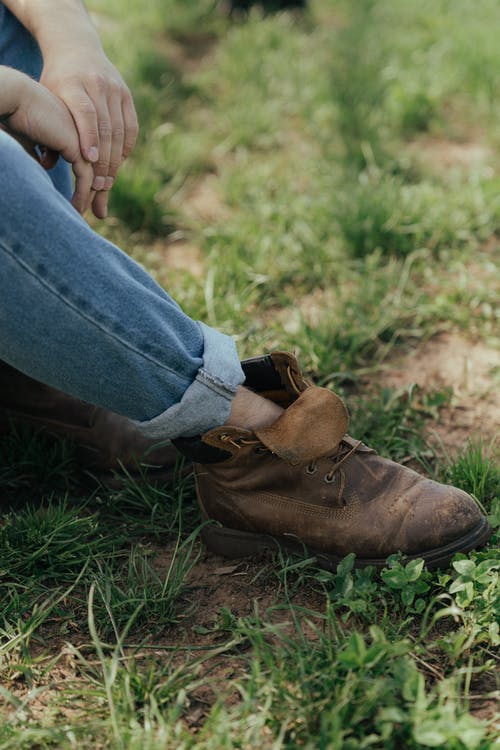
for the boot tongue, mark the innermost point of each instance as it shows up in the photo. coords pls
(311, 427)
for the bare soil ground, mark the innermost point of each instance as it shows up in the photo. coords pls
(471, 370)
(180, 255)
(441, 154)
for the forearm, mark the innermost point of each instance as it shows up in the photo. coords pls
(12, 85)
(56, 24)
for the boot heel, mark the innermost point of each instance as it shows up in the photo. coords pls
(233, 544)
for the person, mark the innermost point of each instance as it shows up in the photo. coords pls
(85, 331)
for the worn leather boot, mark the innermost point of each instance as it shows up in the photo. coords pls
(304, 484)
(106, 443)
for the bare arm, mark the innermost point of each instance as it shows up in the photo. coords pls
(77, 71)
(33, 115)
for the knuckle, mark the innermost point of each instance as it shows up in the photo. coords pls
(98, 82)
(114, 87)
(101, 169)
(86, 106)
(92, 134)
(114, 166)
(105, 130)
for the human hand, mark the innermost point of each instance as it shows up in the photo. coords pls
(101, 106)
(36, 117)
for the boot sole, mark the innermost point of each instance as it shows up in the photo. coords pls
(232, 543)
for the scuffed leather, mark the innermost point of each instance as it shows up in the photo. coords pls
(374, 507)
(347, 500)
(311, 427)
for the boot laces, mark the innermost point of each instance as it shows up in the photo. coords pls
(344, 452)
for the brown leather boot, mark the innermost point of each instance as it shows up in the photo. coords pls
(303, 483)
(106, 442)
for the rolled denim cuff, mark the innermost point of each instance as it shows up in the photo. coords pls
(206, 403)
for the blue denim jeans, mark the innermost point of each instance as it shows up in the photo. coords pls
(80, 315)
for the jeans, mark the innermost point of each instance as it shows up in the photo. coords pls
(80, 315)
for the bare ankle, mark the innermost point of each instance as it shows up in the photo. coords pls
(251, 411)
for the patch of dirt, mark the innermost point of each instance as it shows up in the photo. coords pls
(222, 591)
(309, 308)
(180, 255)
(484, 698)
(191, 52)
(471, 370)
(202, 202)
(440, 154)
(43, 692)
(240, 586)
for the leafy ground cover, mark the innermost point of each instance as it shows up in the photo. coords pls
(326, 182)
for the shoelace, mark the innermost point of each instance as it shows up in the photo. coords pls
(344, 452)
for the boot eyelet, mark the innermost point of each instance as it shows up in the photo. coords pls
(329, 478)
(311, 470)
(260, 449)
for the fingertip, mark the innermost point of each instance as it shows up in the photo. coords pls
(100, 205)
(93, 154)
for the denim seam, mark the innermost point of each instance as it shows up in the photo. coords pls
(90, 320)
(215, 383)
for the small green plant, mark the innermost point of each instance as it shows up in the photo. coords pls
(475, 590)
(473, 578)
(410, 581)
(352, 591)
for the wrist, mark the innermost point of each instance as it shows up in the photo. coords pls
(60, 51)
(58, 46)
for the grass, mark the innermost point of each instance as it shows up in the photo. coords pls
(348, 157)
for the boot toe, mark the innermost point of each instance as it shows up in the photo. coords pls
(443, 516)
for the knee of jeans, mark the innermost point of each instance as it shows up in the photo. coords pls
(17, 167)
